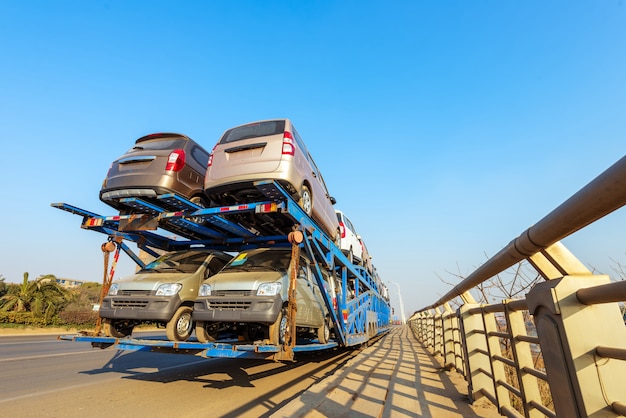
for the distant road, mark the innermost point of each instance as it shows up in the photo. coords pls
(45, 377)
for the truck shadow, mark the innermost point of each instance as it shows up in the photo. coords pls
(214, 373)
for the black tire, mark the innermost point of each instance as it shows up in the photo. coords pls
(306, 200)
(116, 329)
(207, 332)
(200, 201)
(254, 332)
(278, 329)
(323, 333)
(180, 327)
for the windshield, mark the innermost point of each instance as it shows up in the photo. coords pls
(182, 262)
(260, 260)
(253, 130)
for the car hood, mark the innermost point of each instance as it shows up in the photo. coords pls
(243, 280)
(149, 281)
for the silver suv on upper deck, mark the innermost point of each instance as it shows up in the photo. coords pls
(157, 164)
(269, 150)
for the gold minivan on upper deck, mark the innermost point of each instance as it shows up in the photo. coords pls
(268, 150)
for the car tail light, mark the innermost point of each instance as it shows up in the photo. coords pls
(289, 147)
(211, 156)
(176, 160)
(342, 229)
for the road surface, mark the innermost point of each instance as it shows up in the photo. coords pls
(45, 377)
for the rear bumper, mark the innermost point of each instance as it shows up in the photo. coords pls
(263, 309)
(115, 193)
(141, 308)
(240, 189)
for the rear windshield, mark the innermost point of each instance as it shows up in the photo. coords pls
(159, 144)
(253, 130)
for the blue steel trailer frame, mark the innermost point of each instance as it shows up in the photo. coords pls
(359, 308)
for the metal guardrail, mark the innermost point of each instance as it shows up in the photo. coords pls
(562, 350)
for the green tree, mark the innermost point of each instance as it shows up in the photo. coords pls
(43, 297)
(3, 286)
(48, 297)
(18, 300)
(80, 310)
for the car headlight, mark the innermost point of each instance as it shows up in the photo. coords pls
(113, 289)
(269, 289)
(205, 290)
(169, 289)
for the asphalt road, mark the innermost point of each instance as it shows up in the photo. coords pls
(44, 377)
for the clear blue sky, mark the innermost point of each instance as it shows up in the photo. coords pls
(443, 128)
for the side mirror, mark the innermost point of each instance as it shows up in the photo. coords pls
(332, 200)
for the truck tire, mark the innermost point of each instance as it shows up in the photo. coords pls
(116, 329)
(180, 327)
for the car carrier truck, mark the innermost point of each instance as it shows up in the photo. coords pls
(356, 302)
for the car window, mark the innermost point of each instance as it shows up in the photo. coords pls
(215, 265)
(200, 156)
(317, 173)
(302, 273)
(253, 130)
(350, 226)
(299, 141)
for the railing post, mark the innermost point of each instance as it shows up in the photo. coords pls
(523, 356)
(459, 343)
(438, 332)
(479, 376)
(448, 336)
(582, 383)
(494, 348)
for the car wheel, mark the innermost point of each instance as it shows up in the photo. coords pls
(323, 333)
(351, 256)
(207, 332)
(254, 332)
(200, 201)
(306, 200)
(180, 327)
(116, 329)
(278, 330)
